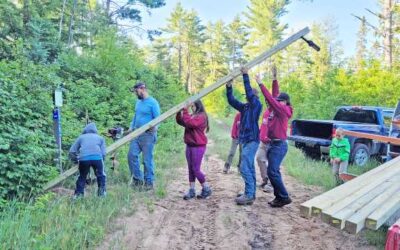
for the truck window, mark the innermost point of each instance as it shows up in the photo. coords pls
(356, 115)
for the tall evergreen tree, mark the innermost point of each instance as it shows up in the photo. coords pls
(361, 44)
(263, 21)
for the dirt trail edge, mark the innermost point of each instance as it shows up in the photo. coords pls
(217, 223)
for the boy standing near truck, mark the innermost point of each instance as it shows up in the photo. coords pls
(339, 154)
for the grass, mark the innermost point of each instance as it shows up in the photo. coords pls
(55, 222)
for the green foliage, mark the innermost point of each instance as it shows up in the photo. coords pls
(26, 153)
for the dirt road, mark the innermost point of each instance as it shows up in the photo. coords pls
(217, 223)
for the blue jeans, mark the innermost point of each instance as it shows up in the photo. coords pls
(84, 168)
(144, 143)
(275, 157)
(247, 168)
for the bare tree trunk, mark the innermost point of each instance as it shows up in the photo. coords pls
(180, 61)
(187, 80)
(61, 19)
(71, 24)
(26, 13)
(388, 32)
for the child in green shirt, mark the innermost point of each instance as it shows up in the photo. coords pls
(339, 153)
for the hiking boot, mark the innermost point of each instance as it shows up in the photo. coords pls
(226, 168)
(205, 192)
(280, 202)
(101, 192)
(273, 201)
(244, 200)
(190, 194)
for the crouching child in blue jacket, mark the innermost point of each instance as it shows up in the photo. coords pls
(89, 150)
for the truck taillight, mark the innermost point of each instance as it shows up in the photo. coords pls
(333, 132)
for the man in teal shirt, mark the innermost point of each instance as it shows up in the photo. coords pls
(146, 109)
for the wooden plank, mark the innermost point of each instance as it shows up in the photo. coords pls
(338, 218)
(356, 222)
(376, 219)
(381, 138)
(306, 208)
(333, 206)
(235, 73)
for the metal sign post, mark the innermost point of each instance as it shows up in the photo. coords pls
(57, 124)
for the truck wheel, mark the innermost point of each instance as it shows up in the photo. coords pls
(312, 154)
(360, 154)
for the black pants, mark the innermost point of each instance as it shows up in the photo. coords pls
(84, 168)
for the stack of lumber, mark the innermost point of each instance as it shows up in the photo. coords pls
(367, 201)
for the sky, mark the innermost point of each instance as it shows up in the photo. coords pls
(300, 13)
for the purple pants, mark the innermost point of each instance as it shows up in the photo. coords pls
(194, 156)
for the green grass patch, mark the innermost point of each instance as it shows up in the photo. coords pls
(57, 222)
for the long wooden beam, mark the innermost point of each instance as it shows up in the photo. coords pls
(308, 208)
(328, 209)
(356, 222)
(384, 212)
(338, 218)
(381, 138)
(232, 75)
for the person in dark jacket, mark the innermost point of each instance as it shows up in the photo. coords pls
(248, 136)
(89, 150)
(281, 112)
(234, 144)
(196, 126)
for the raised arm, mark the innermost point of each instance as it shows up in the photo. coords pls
(179, 118)
(275, 83)
(194, 121)
(274, 104)
(231, 99)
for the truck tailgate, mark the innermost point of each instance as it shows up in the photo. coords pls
(310, 141)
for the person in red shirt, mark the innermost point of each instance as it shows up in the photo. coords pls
(196, 126)
(281, 112)
(261, 155)
(234, 144)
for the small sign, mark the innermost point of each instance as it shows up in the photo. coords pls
(58, 99)
(55, 114)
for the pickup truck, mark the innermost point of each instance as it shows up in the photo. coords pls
(314, 136)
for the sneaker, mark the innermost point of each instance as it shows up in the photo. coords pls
(136, 183)
(267, 189)
(244, 200)
(190, 194)
(280, 202)
(148, 187)
(239, 194)
(101, 192)
(226, 168)
(76, 197)
(205, 192)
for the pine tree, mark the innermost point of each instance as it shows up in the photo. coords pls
(236, 35)
(264, 24)
(361, 44)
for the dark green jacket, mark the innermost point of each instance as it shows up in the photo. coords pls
(340, 149)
